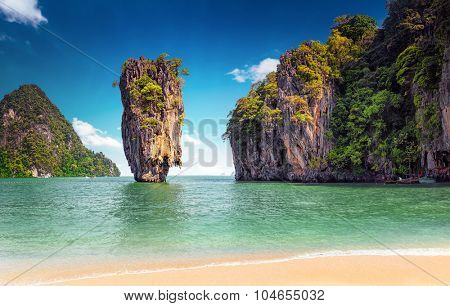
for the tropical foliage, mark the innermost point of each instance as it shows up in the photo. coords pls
(36, 137)
(382, 118)
(384, 82)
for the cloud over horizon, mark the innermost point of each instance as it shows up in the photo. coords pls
(91, 136)
(255, 73)
(22, 11)
(207, 155)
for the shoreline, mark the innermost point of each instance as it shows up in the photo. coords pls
(356, 267)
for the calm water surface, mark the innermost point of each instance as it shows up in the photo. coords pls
(213, 216)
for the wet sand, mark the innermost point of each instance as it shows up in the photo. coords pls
(327, 270)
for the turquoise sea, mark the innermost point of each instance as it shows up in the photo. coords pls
(196, 217)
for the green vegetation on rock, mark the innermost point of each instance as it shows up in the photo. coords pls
(255, 109)
(384, 81)
(152, 116)
(36, 140)
(382, 117)
(148, 122)
(148, 89)
(314, 63)
(147, 93)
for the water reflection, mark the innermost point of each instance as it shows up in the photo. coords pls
(147, 215)
(210, 215)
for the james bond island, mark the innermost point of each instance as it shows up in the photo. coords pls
(152, 117)
(332, 168)
(369, 104)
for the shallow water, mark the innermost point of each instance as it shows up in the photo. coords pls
(194, 217)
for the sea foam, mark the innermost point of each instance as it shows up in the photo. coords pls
(312, 255)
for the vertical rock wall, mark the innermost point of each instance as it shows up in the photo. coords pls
(152, 117)
(436, 157)
(286, 148)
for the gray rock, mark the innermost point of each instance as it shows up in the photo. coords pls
(152, 117)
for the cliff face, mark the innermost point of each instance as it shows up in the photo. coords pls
(37, 141)
(436, 153)
(444, 101)
(367, 105)
(303, 140)
(152, 117)
(289, 142)
(256, 149)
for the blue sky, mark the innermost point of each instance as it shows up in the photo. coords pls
(213, 38)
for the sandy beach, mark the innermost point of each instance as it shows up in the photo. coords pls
(330, 270)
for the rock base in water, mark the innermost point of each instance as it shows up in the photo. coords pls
(152, 117)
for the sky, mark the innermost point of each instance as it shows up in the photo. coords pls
(73, 50)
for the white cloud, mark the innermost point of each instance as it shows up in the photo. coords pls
(188, 138)
(239, 75)
(199, 157)
(22, 11)
(90, 136)
(4, 37)
(255, 73)
(204, 158)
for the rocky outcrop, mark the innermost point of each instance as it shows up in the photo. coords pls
(444, 102)
(152, 116)
(367, 105)
(303, 141)
(293, 150)
(436, 155)
(292, 146)
(37, 141)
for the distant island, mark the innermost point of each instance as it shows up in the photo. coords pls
(369, 104)
(37, 141)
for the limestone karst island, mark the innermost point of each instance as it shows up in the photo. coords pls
(152, 117)
(37, 141)
(368, 104)
(225, 143)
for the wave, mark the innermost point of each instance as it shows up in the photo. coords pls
(334, 253)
